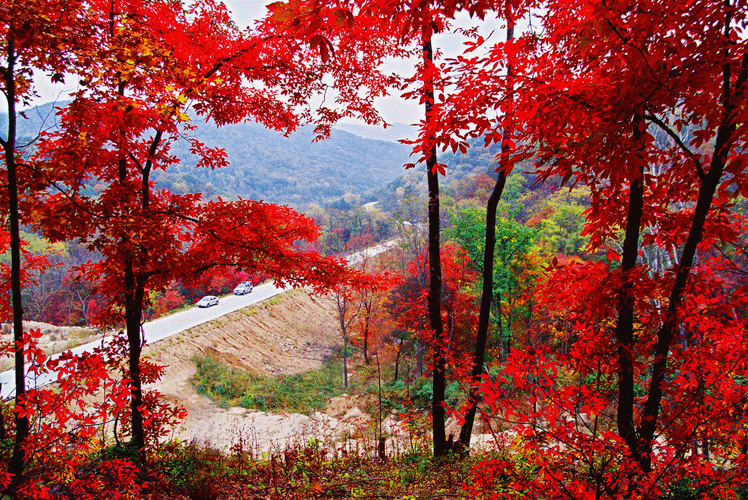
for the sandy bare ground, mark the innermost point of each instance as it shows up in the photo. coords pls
(291, 333)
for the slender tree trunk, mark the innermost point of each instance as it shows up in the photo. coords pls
(487, 293)
(135, 284)
(666, 334)
(397, 360)
(133, 318)
(367, 310)
(435, 275)
(450, 329)
(505, 341)
(485, 311)
(345, 317)
(419, 356)
(345, 346)
(17, 460)
(345, 360)
(134, 293)
(342, 310)
(708, 187)
(3, 435)
(625, 323)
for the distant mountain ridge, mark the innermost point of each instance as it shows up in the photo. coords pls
(290, 170)
(268, 166)
(37, 119)
(393, 133)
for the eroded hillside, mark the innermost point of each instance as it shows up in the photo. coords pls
(291, 333)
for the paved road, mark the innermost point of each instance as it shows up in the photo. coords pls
(167, 326)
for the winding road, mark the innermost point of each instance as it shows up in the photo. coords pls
(172, 324)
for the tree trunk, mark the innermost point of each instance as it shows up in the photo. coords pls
(726, 138)
(133, 318)
(345, 321)
(17, 460)
(397, 360)
(345, 360)
(367, 309)
(134, 294)
(342, 309)
(666, 334)
(435, 275)
(487, 297)
(485, 311)
(419, 356)
(625, 322)
(505, 341)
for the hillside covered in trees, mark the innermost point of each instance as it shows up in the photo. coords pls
(266, 165)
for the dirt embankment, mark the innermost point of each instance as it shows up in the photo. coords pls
(290, 333)
(53, 339)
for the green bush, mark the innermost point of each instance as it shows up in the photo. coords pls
(303, 393)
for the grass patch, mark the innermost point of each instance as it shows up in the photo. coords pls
(276, 299)
(310, 471)
(300, 393)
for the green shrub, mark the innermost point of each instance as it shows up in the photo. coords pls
(303, 393)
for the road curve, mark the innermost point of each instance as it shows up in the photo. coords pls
(172, 324)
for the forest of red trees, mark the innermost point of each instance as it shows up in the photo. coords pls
(620, 370)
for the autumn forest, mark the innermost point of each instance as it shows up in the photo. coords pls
(568, 254)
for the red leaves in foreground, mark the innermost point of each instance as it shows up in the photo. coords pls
(558, 435)
(71, 421)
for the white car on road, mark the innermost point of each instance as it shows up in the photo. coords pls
(243, 287)
(207, 301)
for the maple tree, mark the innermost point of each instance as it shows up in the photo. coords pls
(645, 173)
(147, 65)
(31, 38)
(354, 302)
(643, 104)
(515, 261)
(510, 278)
(371, 310)
(458, 307)
(653, 126)
(168, 301)
(434, 254)
(402, 24)
(370, 322)
(348, 310)
(67, 425)
(408, 314)
(366, 308)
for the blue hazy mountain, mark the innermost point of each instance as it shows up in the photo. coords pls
(266, 165)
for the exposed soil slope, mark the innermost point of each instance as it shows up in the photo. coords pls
(291, 333)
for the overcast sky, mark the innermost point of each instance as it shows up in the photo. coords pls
(244, 12)
(393, 109)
